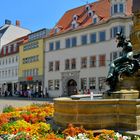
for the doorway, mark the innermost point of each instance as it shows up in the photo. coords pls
(72, 87)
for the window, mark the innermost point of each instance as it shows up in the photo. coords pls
(50, 66)
(12, 59)
(74, 24)
(102, 36)
(93, 38)
(83, 62)
(67, 43)
(6, 61)
(4, 50)
(121, 8)
(92, 83)
(93, 61)
(51, 46)
(67, 64)
(57, 65)
(57, 45)
(73, 63)
(102, 60)
(30, 46)
(111, 11)
(94, 20)
(90, 13)
(15, 48)
(16, 58)
(16, 72)
(9, 60)
(56, 84)
(36, 71)
(9, 72)
(114, 55)
(87, 7)
(111, 57)
(50, 85)
(74, 41)
(3, 62)
(116, 29)
(114, 32)
(101, 83)
(9, 49)
(84, 39)
(115, 8)
(56, 30)
(6, 73)
(83, 83)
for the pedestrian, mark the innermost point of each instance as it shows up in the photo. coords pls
(88, 91)
(29, 93)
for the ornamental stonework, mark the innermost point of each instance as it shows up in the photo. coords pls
(66, 76)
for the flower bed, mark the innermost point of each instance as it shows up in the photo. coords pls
(29, 123)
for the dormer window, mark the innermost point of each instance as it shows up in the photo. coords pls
(75, 17)
(74, 24)
(56, 30)
(90, 13)
(94, 20)
(87, 7)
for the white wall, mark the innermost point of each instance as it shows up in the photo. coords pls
(105, 47)
(12, 33)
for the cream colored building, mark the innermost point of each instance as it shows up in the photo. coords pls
(82, 45)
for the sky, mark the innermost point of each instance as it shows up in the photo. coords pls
(37, 14)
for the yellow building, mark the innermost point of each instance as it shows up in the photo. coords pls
(31, 63)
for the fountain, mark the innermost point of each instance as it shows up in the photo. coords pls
(120, 111)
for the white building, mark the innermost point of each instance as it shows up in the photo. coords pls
(9, 64)
(9, 32)
(81, 46)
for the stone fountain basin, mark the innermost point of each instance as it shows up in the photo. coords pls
(96, 114)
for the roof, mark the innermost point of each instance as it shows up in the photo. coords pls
(101, 8)
(17, 41)
(3, 30)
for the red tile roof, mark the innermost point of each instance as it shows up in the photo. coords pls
(101, 8)
(17, 41)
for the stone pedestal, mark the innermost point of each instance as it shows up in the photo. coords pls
(122, 94)
(126, 88)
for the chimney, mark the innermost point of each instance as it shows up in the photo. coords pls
(17, 23)
(7, 21)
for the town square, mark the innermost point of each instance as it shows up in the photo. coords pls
(76, 80)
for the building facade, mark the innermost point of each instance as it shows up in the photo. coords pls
(31, 64)
(82, 45)
(9, 64)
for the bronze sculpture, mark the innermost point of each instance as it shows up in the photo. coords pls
(126, 64)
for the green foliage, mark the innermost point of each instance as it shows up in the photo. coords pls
(8, 109)
(136, 138)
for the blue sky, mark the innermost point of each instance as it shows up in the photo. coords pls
(37, 14)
